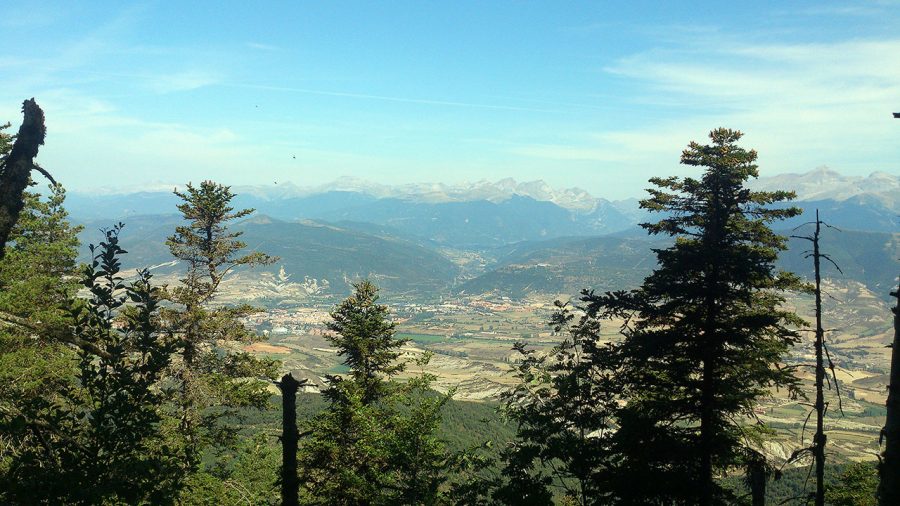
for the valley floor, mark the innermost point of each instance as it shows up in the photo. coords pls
(471, 341)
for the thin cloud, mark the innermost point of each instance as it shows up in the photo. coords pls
(847, 72)
(862, 8)
(181, 81)
(32, 15)
(800, 105)
(387, 98)
(263, 47)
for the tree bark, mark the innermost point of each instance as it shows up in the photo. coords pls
(757, 476)
(706, 432)
(16, 169)
(708, 394)
(889, 487)
(289, 437)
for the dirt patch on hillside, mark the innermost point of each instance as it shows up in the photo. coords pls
(267, 348)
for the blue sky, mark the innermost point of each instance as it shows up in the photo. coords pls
(599, 95)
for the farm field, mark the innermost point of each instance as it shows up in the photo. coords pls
(471, 345)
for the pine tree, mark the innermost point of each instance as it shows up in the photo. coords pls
(210, 375)
(707, 333)
(364, 336)
(375, 443)
(37, 362)
(16, 165)
(37, 273)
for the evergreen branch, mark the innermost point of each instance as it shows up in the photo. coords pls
(53, 333)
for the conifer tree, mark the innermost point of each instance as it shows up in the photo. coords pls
(16, 165)
(37, 273)
(706, 334)
(375, 442)
(37, 362)
(363, 333)
(209, 373)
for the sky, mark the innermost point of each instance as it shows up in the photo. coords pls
(595, 95)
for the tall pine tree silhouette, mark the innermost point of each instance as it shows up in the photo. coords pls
(706, 333)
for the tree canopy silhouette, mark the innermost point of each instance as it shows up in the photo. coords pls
(705, 334)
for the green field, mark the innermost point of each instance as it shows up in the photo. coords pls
(423, 338)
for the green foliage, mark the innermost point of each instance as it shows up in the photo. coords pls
(40, 258)
(857, 485)
(247, 476)
(213, 381)
(206, 244)
(6, 141)
(519, 483)
(37, 368)
(418, 457)
(344, 461)
(564, 404)
(846, 484)
(364, 336)
(37, 280)
(375, 443)
(119, 378)
(706, 333)
(98, 439)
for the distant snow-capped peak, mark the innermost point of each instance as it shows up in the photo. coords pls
(494, 191)
(824, 183)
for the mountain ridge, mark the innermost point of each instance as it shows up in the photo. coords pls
(821, 183)
(328, 256)
(486, 215)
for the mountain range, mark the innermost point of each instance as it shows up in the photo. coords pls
(520, 237)
(464, 223)
(328, 255)
(824, 184)
(613, 262)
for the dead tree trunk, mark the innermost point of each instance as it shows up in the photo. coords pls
(16, 169)
(820, 407)
(289, 437)
(889, 470)
(819, 440)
